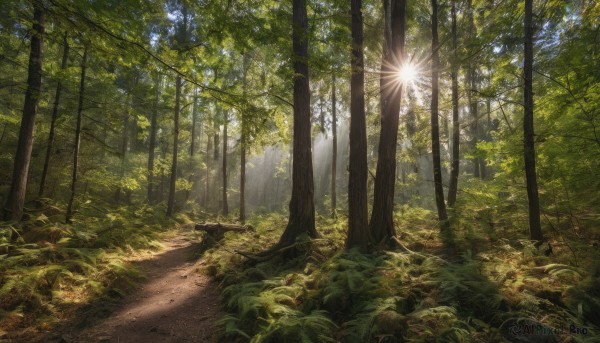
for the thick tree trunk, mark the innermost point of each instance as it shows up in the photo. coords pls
(77, 142)
(382, 222)
(535, 228)
(224, 168)
(63, 65)
(334, 154)
(151, 149)
(358, 214)
(453, 189)
(302, 207)
(435, 129)
(173, 179)
(13, 209)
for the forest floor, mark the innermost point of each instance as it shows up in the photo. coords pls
(175, 303)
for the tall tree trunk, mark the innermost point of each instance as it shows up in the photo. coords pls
(224, 169)
(243, 143)
(472, 90)
(124, 143)
(382, 221)
(358, 213)
(302, 206)
(193, 141)
(435, 129)
(69, 215)
(208, 160)
(333, 147)
(152, 147)
(13, 210)
(535, 228)
(173, 179)
(453, 189)
(63, 65)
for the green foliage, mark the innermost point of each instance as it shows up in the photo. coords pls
(47, 266)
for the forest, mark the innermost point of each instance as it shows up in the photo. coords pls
(299, 171)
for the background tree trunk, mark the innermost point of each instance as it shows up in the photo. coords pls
(13, 209)
(435, 129)
(152, 144)
(63, 65)
(77, 142)
(535, 228)
(243, 142)
(453, 188)
(173, 179)
(334, 153)
(358, 224)
(224, 169)
(302, 206)
(382, 221)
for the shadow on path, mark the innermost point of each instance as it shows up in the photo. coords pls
(175, 304)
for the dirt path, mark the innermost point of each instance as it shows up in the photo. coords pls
(175, 304)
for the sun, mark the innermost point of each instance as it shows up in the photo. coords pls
(408, 73)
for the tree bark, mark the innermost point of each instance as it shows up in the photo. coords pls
(208, 162)
(453, 188)
(63, 66)
(69, 215)
(382, 221)
(471, 81)
(152, 145)
(535, 228)
(124, 143)
(333, 147)
(219, 227)
(243, 142)
(173, 179)
(193, 142)
(302, 207)
(224, 169)
(358, 214)
(13, 210)
(435, 129)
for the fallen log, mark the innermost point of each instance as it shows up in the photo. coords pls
(219, 227)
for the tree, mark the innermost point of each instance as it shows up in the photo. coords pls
(358, 225)
(435, 127)
(535, 228)
(152, 143)
(334, 150)
(302, 207)
(77, 141)
(181, 39)
(63, 66)
(382, 221)
(453, 188)
(243, 140)
(173, 177)
(13, 210)
(224, 169)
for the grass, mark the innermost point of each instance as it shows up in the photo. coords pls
(50, 270)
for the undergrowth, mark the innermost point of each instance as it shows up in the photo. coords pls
(494, 293)
(49, 270)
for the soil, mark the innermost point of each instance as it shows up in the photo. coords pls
(176, 303)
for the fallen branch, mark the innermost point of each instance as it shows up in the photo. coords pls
(218, 227)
